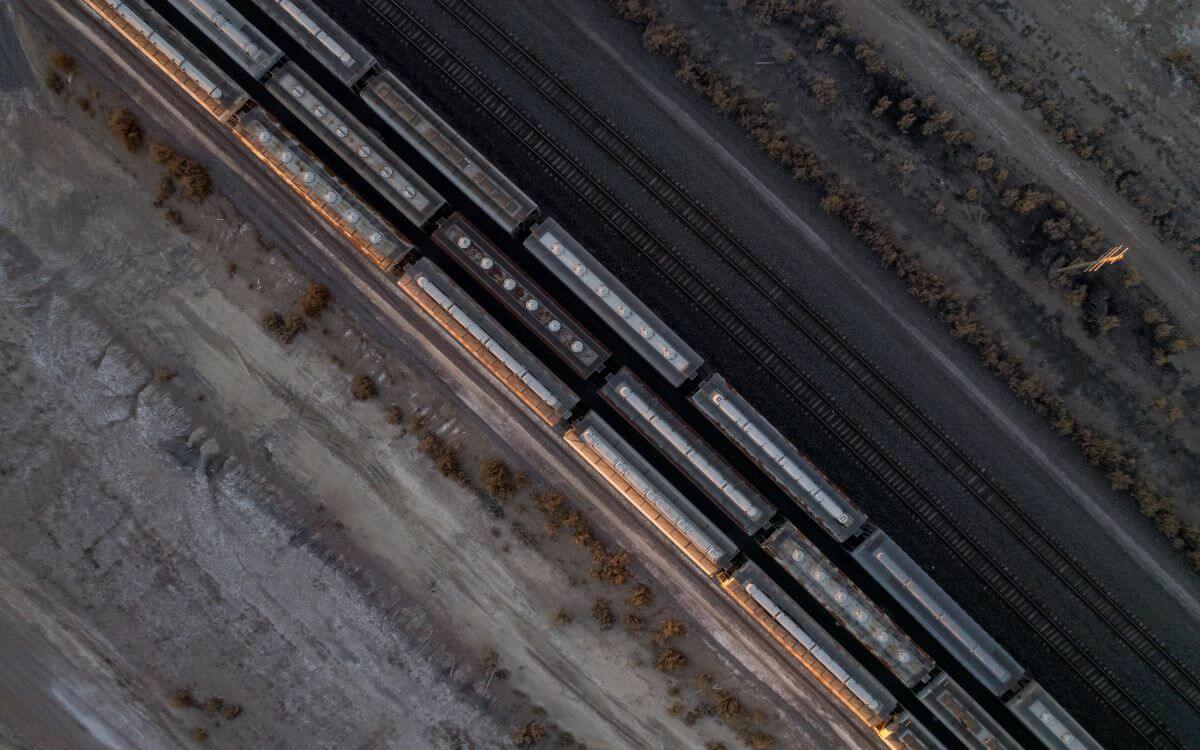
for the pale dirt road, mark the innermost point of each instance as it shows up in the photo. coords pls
(933, 66)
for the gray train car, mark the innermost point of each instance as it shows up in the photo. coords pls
(942, 616)
(183, 63)
(687, 450)
(368, 232)
(946, 700)
(791, 626)
(336, 49)
(767, 447)
(905, 732)
(488, 342)
(852, 608)
(611, 300)
(357, 144)
(230, 30)
(514, 288)
(453, 156)
(1049, 721)
(653, 496)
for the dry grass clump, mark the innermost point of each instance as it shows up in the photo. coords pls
(670, 660)
(498, 481)
(199, 734)
(125, 126)
(667, 631)
(363, 387)
(529, 734)
(642, 596)
(444, 456)
(182, 698)
(232, 711)
(63, 63)
(193, 178)
(563, 616)
(395, 415)
(315, 300)
(285, 327)
(603, 614)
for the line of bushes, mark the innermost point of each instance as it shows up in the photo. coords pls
(838, 199)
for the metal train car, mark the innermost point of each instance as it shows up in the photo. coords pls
(311, 180)
(655, 498)
(448, 151)
(173, 54)
(787, 622)
(884, 561)
(946, 700)
(337, 50)
(567, 259)
(852, 608)
(687, 450)
(1049, 721)
(513, 288)
(905, 732)
(230, 31)
(487, 341)
(766, 446)
(358, 145)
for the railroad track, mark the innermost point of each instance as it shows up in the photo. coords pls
(1124, 625)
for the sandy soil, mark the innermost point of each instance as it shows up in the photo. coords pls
(244, 529)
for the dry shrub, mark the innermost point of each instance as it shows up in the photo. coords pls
(63, 63)
(669, 629)
(528, 735)
(642, 596)
(182, 698)
(633, 622)
(444, 457)
(194, 180)
(395, 415)
(315, 300)
(670, 660)
(285, 328)
(163, 374)
(728, 706)
(55, 82)
(497, 479)
(603, 614)
(824, 90)
(213, 705)
(161, 153)
(124, 125)
(199, 734)
(163, 190)
(611, 568)
(563, 616)
(232, 711)
(363, 387)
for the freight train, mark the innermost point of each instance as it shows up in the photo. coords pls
(631, 474)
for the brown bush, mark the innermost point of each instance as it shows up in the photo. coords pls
(161, 153)
(363, 387)
(285, 328)
(232, 711)
(611, 568)
(603, 614)
(55, 82)
(633, 622)
(728, 706)
(1178, 58)
(163, 190)
(824, 90)
(194, 180)
(670, 660)
(668, 630)
(497, 479)
(528, 735)
(63, 63)
(395, 415)
(444, 456)
(213, 705)
(124, 125)
(563, 616)
(182, 698)
(315, 300)
(642, 596)
(199, 734)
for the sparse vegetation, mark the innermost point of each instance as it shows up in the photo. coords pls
(124, 125)
(163, 374)
(363, 387)
(444, 456)
(497, 479)
(602, 613)
(528, 734)
(285, 327)
(670, 660)
(315, 300)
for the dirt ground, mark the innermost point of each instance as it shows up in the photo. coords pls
(934, 198)
(191, 504)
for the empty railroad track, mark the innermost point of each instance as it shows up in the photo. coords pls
(1061, 564)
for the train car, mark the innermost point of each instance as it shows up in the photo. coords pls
(942, 617)
(766, 446)
(173, 54)
(788, 623)
(488, 342)
(358, 145)
(230, 31)
(336, 49)
(513, 288)
(687, 450)
(852, 608)
(311, 180)
(905, 732)
(611, 300)
(448, 151)
(1042, 715)
(638, 482)
(946, 700)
